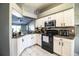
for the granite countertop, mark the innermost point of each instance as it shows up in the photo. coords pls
(71, 37)
(19, 36)
(23, 35)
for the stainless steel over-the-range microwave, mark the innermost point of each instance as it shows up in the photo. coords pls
(50, 23)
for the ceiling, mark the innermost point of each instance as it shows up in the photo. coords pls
(36, 5)
(36, 8)
(40, 7)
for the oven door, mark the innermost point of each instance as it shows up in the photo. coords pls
(46, 39)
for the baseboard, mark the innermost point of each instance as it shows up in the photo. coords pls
(56, 54)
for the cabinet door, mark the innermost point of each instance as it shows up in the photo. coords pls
(50, 18)
(42, 22)
(38, 39)
(19, 46)
(38, 22)
(59, 19)
(29, 40)
(32, 39)
(69, 17)
(13, 47)
(67, 47)
(57, 45)
(25, 42)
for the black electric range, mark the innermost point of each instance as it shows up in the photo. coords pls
(47, 40)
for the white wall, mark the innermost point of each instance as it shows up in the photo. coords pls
(76, 50)
(4, 29)
(58, 8)
(76, 13)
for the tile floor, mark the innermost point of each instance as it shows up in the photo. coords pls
(36, 51)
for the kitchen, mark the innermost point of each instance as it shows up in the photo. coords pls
(40, 29)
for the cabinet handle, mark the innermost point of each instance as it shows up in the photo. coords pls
(62, 43)
(31, 37)
(61, 39)
(59, 43)
(22, 40)
(64, 24)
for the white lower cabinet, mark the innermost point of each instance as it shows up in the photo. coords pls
(22, 43)
(68, 47)
(38, 39)
(19, 46)
(57, 47)
(13, 45)
(63, 46)
(27, 41)
(31, 39)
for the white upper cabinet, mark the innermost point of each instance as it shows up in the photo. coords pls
(36, 23)
(69, 17)
(49, 18)
(64, 18)
(59, 19)
(39, 23)
(42, 21)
